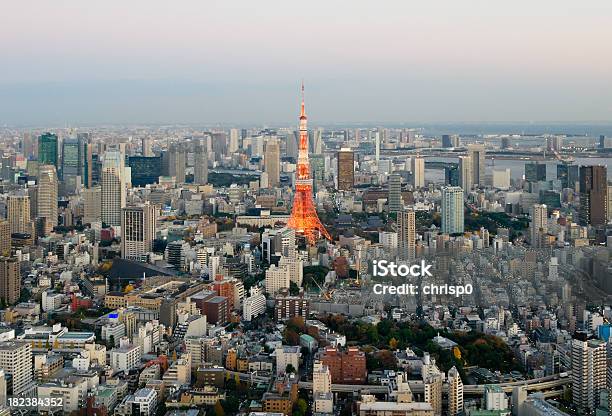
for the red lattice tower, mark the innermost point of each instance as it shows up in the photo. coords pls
(304, 219)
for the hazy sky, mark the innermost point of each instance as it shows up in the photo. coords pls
(241, 61)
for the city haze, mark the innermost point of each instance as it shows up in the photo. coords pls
(70, 63)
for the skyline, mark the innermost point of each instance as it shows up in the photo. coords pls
(227, 63)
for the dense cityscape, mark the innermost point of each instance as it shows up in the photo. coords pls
(183, 271)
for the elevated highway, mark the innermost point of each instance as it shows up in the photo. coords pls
(551, 386)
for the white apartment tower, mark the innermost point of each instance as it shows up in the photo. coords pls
(452, 210)
(588, 372)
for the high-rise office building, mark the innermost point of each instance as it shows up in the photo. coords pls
(466, 175)
(18, 214)
(452, 176)
(588, 372)
(346, 169)
(455, 392)
(450, 140)
(417, 167)
(501, 179)
(234, 141)
(272, 163)
(48, 149)
(406, 235)
(146, 148)
(291, 144)
(138, 225)
(395, 193)
(539, 224)
(477, 153)
(16, 361)
(74, 152)
(145, 170)
(452, 210)
(176, 162)
(10, 280)
(568, 175)
(200, 164)
(92, 205)
(113, 188)
(535, 172)
(593, 195)
(47, 196)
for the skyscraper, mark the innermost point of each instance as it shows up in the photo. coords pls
(588, 372)
(466, 175)
(406, 235)
(377, 150)
(395, 193)
(48, 149)
(539, 224)
(452, 210)
(477, 153)
(176, 162)
(535, 172)
(346, 169)
(450, 141)
(451, 175)
(113, 188)
(145, 170)
(568, 175)
(47, 196)
(417, 167)
(92, 205)
(234, 141)
(593, 195)
(200, 164)
(455, 392)
(73, 162)
(138, 226)
(272, 163)
(146, 149)
(10, 280)
(18, 214)
(291, 146)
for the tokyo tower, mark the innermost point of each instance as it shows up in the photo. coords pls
(304, 218)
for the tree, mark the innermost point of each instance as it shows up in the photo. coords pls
(294, 288)
(300, 408)
(290, 369)
(393, 344)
